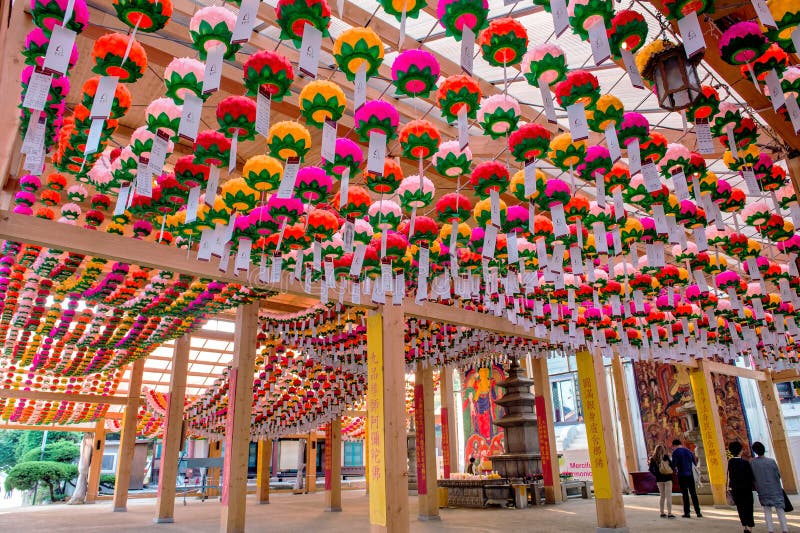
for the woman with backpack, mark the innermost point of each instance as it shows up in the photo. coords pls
(661, 467)
(740, 485)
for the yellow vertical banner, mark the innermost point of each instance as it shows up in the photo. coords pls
(594, 425)
(375, 422)
(709, 427)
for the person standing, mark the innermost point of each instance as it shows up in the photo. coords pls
(661, 467)
(740, 483)
(471, 466)
(683, 460)
(768, 485)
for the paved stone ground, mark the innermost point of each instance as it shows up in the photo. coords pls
(304, 513)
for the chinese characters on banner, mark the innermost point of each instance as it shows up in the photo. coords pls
(713, 451)
(445, 442)
(419, 420)
(544, 441)
(594, 425)
(375, 429)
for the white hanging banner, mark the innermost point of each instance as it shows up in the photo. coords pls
(660, 219)
(93, 140)
(530, 177)
(122, 200)
(467, 49)
(578, 126)
(600, 186)
(242, 260)
(211, 186)
(512, 247)
(401, 35)
(286, 188)
(764, 14)
(731, 140)
(612, 142)
(158, 155)
(619, 205)
(494, 207)
(191, 112)
(634, 157)
(358, 260)
(750, 181)
(705, 142)
(328, 150)
(360, 84)
(700, 239)
(344, 186)
(796, 38)
(59, 50)
(191, 204)
(263, 111)
(692, 35)
(793, 109)
(560, 228)
(104, 97)
(547, 101)
(206, 245)
(680, 185)
(463, 128)
(38, 90)
(560, 20)
(630, 67)
(489, 242)
(144, 179)
(213, 71)
(598, 39)
(775, 91)
(309, 51)
(600, 242)
(245, 21)
(377, 152)
(652, 182)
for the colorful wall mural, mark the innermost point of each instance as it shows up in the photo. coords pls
(663, 389)
(482, 438)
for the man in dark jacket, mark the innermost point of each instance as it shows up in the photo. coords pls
(683, 460)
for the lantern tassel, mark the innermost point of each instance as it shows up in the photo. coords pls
(131, 38)
(232, 156)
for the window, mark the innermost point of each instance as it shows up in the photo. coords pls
(109, 462)
(354, 453)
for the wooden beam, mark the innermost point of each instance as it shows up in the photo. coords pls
(449, 314)
(545, 427)
(781, 449)
(237, 434)
(600, 435)
(725, 369)
(127, 440)
(388, 478)
(793, 163)
(173, 433)
(62, 396)
(710, 429)
(263, 460)
(15, 26)
(333, 466)
(96, 464)
(428, 500)
(791, 374)
(625, 421)
(49, 234)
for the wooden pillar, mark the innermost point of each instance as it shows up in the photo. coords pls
(600, 436)
(96, 464)
(777, 428)
(710, 429)
(127, 439)
(173, 430)
(311, 463)
(625, 422)
(547, 436)
(427, 490)
(212, 476)
(263, 470)
(388, 477)
(237, 427)
(448, 413)
(333, 466)
(793, 164)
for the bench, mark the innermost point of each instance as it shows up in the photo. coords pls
(576, 489)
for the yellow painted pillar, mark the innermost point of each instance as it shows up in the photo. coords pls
(127, 439)
(600, 435)
(263, 464)
(386, 410)
(546, 429)
(96, 464)
(710, 429)
(777, 428)
(428, 501)
(333, 466)
(237, 426)
(173, 432)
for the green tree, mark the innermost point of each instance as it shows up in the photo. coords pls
(25, 475)
(61, 452)
(9, 438)
(30, 440)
